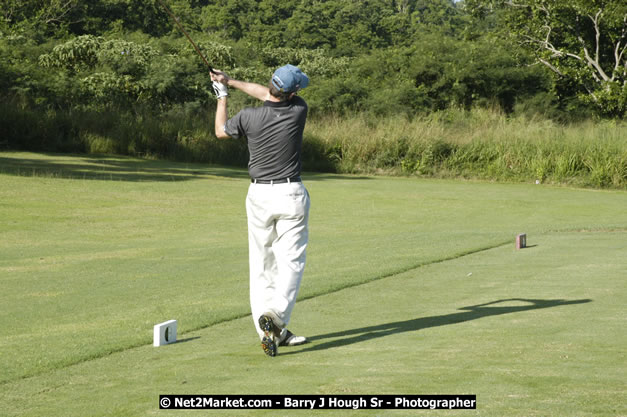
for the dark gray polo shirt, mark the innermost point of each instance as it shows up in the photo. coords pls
(275, 137)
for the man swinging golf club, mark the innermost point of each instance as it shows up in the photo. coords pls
(277, 204)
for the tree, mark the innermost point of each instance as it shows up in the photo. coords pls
(42, 16)
(582, 42)
(120, 73)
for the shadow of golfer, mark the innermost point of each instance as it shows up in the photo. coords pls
(348, 337)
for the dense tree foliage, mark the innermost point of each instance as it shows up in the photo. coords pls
(401, 55)
(59, 57)
(582, 42)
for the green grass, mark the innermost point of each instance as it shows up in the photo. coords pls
(412, 287)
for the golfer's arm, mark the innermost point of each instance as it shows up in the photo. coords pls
(257, 91)
(221, 116)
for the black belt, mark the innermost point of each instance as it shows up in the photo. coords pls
(280, 181)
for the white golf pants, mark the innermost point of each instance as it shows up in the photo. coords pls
(278, 232)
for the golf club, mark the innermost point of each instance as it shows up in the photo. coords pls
(187, 36)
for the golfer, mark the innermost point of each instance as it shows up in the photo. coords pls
(277, 204)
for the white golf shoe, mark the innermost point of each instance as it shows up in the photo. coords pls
(271, 335)
(290, 339)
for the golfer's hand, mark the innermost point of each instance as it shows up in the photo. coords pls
(220, 89)
(220, 77)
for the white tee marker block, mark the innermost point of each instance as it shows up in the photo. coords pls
(164, 333)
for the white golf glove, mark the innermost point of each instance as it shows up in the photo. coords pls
(220, 89)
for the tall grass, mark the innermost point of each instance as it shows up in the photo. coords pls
(184, 133)
(483, 144)
(480, 143)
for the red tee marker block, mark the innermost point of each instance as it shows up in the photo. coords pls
(521, 241)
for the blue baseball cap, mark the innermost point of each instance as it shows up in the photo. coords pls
(289, 79)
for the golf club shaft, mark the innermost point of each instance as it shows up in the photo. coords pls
(186, 35)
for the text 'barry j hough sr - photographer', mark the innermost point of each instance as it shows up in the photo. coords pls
(323, 402)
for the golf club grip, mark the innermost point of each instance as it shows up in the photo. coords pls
(187, 36)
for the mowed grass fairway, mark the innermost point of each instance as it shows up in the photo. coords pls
(412, 287)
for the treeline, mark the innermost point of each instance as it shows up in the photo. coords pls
(117, 75)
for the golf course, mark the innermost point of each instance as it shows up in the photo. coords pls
(412, 287)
